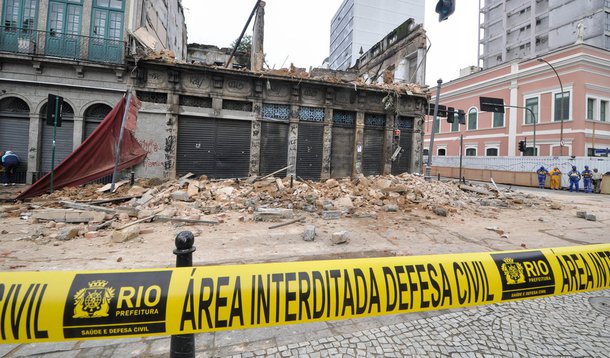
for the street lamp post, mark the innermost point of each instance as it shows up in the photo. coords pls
(540, 59)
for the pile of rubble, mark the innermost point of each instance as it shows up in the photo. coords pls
(191, 200)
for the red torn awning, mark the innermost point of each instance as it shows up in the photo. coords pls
(95, 157)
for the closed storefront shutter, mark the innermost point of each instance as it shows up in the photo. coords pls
(403, 160)
(372, 151)
(342, 149)
(274, 148)
(309, 150)
(14, 131)
(63, 142)
(213, 147)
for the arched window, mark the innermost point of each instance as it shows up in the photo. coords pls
(93, 116)
(471, 152)
(441, 152)
(472, 119)
(491, 152)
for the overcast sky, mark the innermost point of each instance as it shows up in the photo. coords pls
(299, 32)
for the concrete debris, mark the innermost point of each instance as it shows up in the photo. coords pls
(181, 195)
(191, 200)
(331, 215)
(269, 214)
(581, 214)
(119, 236)
(340, 237)
(310, 233)
(439, 210)
(68, 233)
(591, 217)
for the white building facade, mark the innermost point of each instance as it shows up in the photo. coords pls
(360, 24)
(522, 29)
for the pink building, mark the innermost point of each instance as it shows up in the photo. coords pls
(584, 73)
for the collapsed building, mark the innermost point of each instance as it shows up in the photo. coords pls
(221, 122)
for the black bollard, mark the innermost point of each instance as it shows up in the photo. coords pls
(183, 345)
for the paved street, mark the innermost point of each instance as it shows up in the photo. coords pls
(562, 326)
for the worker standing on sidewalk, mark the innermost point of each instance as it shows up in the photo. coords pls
(542, 172)
(587, 179)
(574, 177)
(555, 178)
(597, 181)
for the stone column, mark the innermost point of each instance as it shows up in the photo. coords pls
(255, 139)
(293, 140)
(171, 144)
(257, 54)
(327, 141)
(358, 144)
(33, 152)
(77, 136)
(388, 139)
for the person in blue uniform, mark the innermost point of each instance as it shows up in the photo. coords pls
(10, 162)
(587, 179)
(574, 177)
(542, 173)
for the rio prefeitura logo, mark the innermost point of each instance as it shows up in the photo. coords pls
(93, 301)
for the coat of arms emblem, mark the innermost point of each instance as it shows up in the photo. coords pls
(93, 301)
(513, 271)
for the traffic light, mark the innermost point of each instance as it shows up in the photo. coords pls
(444, 8)
(54, 105)
(522, 146)
(450, 115)
(461, 116)
(442, 110)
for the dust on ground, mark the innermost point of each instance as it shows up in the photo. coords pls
(239, 221)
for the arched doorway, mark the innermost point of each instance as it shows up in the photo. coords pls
(64, 138)
(15, 130)
(94, 115)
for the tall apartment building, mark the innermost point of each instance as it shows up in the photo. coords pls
(522, 29)
(81, 50)
(360, 24)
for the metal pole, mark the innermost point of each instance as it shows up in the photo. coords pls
(117, 147)
(461, 150)
(436, 100)
(242, 33)
(183, 345)
(540, 59)
(54, 138)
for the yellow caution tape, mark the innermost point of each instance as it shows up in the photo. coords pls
(57, 306)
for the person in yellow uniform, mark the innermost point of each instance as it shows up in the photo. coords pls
(555, 178)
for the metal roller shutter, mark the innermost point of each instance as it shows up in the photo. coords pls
(403, 161)
(309, 150)
(342, 152)
(195, 150)
(63, 144)
(274, 148)
(233, 148)
(14, 131)
(372, 152)
(213, 147)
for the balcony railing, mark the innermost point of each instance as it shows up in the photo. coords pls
(62, 45)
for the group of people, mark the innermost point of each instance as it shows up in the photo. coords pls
(10, 162)
(592, 179)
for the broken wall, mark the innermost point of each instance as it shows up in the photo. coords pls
(226, 123)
